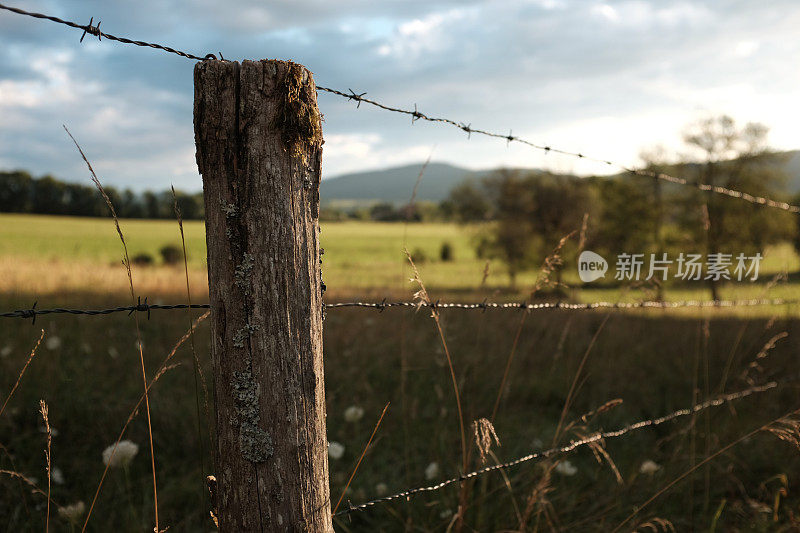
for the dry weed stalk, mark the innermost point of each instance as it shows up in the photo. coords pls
(14, 468)
(164, 367)
(484, 434)
(609, 405)
(402, 331)
(423, 298)
(507, 483)
(655, 525)
(34, 487)
(578, 372)
(785, 427)
(21, 373)
(538, 500)
(580, 429)
(360, 457)
(781, 276)
(550, 264)
(45, 417)
(764, 352)
(198, 370)
(127, 263)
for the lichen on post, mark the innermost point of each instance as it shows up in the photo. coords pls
(259, 144)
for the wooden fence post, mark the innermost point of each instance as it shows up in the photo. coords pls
(259, 145)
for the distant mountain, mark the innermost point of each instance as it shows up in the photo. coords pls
(396, 184)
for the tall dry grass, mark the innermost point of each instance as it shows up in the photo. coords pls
(126, 261)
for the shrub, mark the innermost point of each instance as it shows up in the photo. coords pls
(171, 255)
(419, 255)
(446, 251)
(143, 259)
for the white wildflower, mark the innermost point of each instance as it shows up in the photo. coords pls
(353, 413)
(565, 468)
(432, 470)
(53, 342)
(57, 476)
(335, 450)
(72, 512)
(6, 351)
(649, 467)
(124, 454)
(112, 352)
(381, 489)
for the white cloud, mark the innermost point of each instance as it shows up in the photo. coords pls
(746, 48)
(426, 34)
(607, 12)
(49, 84)
(603, 77)
(345, 153)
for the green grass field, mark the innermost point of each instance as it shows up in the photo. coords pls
(655, 361)
(361, 259)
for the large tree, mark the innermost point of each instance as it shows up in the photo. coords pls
(530, 212)
(738, 158)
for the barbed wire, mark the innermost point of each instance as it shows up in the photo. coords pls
(94, 30)
(145, 307)
(418, 115)
(509, 138)
(141, 306)
(483, 306)
(574, 444)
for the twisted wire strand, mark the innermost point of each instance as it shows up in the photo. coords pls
(144, 307)
(94, 30)
(599, 436)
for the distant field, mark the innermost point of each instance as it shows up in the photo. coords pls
(46, 255)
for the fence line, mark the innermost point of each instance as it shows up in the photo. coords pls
(597, 437)
(418, 115)
(144, 307)
(600, 436)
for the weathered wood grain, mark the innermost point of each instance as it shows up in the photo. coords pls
(259, 145)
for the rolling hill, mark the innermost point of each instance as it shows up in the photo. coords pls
(396, 184)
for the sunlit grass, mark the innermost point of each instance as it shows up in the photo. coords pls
(45, 255)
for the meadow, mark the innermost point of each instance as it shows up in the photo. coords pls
(51, 256)
(654, 361)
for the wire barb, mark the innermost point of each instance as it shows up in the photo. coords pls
(92, 30)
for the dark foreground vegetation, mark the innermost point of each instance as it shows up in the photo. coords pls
(87, 371)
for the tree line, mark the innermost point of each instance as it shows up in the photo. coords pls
(522, 216)
(22, 193)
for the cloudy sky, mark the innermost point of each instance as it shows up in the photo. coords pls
(604, 78)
